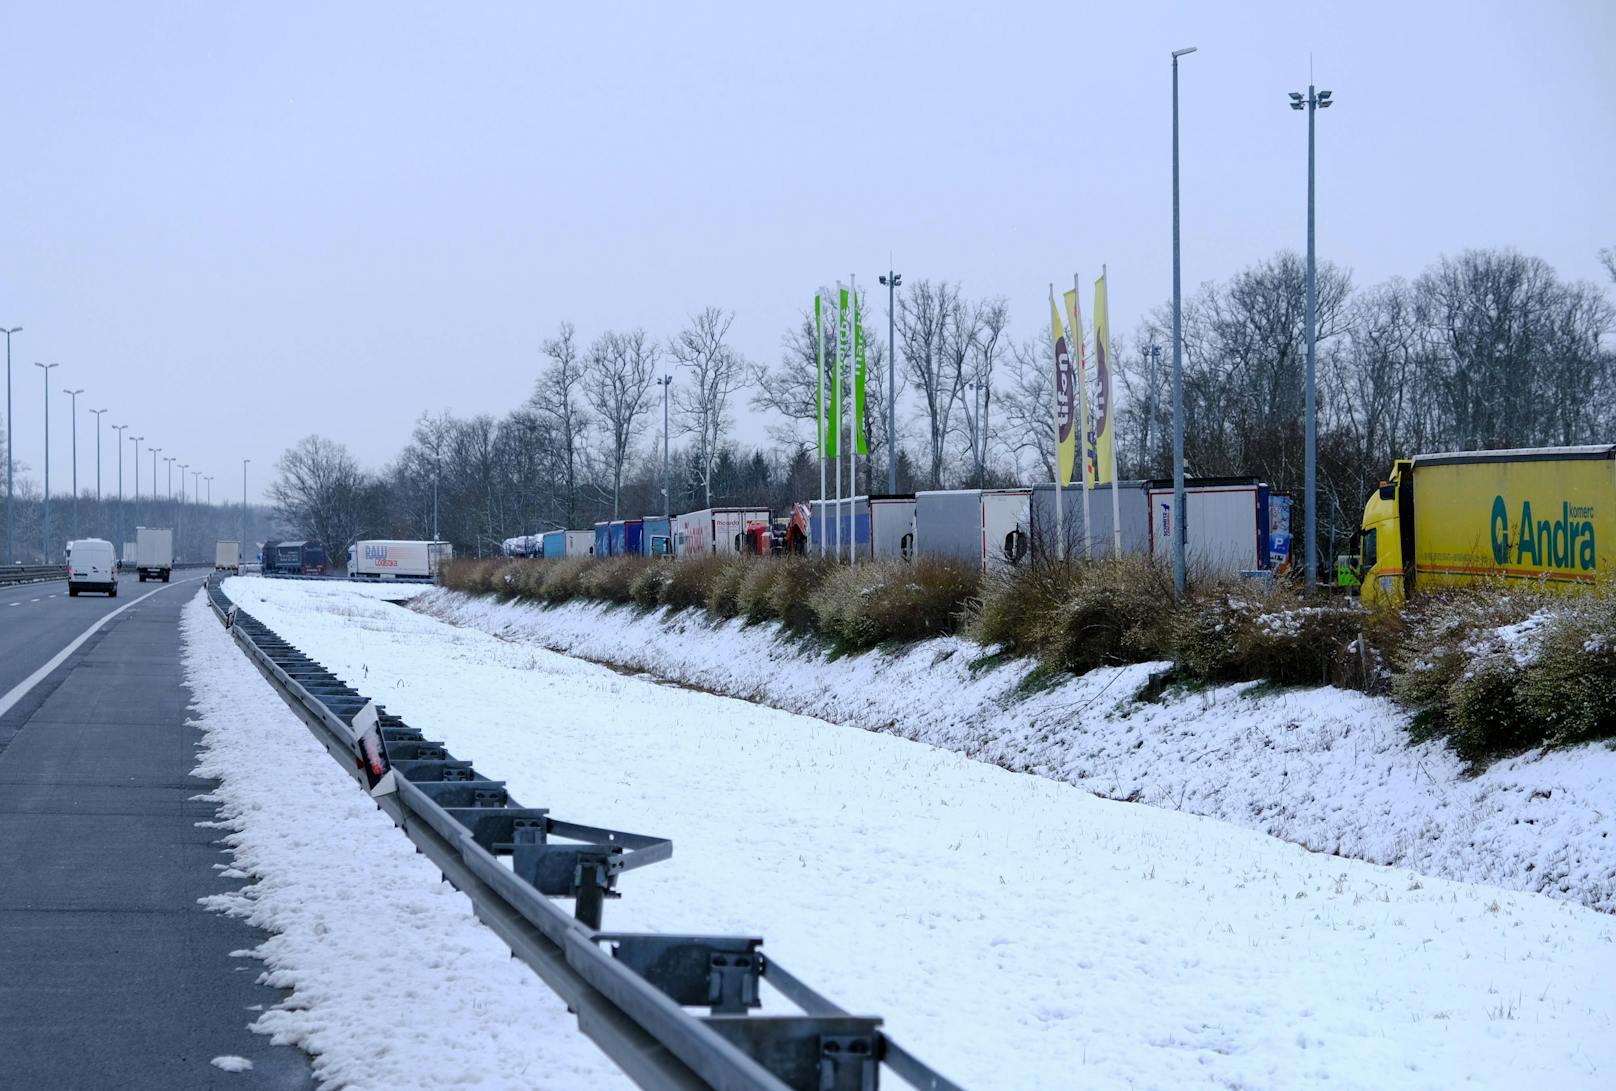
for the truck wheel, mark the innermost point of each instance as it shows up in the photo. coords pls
(143, 577)
(112, 594)
(165, 575)
(72, 592)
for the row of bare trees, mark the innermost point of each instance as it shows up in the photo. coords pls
(1484, 349)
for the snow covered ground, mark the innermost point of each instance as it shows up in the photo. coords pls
(1013, 930)
(1328, 769)
(395, 983)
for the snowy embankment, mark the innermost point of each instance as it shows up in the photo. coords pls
(395, 984)
(1328, 769)
(1014, 931)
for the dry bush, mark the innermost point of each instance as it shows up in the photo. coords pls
(562, 580)
(723, 593)
(795, 588)
(866, 605)
(689, 580)
(1119, 610)
(647, 586)
(756, 597)
(469, 574)
(611, 579)
(1243, 631)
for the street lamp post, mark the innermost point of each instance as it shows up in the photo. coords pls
(209, 480)
(119, 428)
(153, 451)
(183, 467)
(11, 516)
(97, 414)
(244, 509)
(168, 466)
(45, 536)
(1315, 101)
(74, 417)
(892, 281)
(136, 440)
(667, 489)
(1179, 538)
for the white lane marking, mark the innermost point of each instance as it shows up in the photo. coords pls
(33, 600)
(20, 690)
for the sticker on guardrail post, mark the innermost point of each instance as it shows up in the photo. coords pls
(372, 757)
(230, 617)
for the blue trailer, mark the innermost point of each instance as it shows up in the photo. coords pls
(603, 540)
(850, 516)
(553, 544)
(623, 537)
(656, 536)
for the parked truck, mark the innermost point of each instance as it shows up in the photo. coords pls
(568, 543)
(714, 530)
(1545, 516)
(128, 557)
(226, 556)
(391, 559)
(300, 558)
(154, 553)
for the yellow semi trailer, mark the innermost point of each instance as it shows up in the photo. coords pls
(1546, 515)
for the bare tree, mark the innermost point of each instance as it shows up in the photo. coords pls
(619, 369)
(938, 332)
(320, 490)
(555, 399)
(1028, 405)
(714, 371)
(988, 323)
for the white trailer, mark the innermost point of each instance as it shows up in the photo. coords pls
(714, 530)
(1006, 526)
(1225, 534)
(128, 556)
(154, 553)
(390, 560)
(892, 526)
(226, 556)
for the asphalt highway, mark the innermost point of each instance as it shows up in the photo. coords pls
(111, 973)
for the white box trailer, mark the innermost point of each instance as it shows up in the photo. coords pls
(714, 530)
(1133, 511)
(393, 559)
(154, 553)
(892, 526)
(948, 523)
(1006, 526)
(128, 556)
(1226, 520)
(226, 556)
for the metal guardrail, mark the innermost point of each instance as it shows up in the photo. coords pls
(28, 573)
(630, 991)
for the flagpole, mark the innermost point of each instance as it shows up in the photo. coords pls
(836, 400)
(1060, 519)
(1083, 404)
(1111, 423)
(853, 434)
(819, 356)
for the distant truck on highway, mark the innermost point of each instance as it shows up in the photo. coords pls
(391, 560)
(154, 553)
(226, 556)
(128, 556)
(300, 558)
(1545, 516)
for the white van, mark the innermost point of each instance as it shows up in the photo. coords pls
(92, 566)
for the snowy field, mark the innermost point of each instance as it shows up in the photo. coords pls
(1328, 769)
(1014, 931)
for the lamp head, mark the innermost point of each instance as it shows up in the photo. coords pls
(1177, 53)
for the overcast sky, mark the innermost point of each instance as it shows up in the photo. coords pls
(237, 224)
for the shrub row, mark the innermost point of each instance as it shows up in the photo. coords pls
(1490, 669)
(872, 604)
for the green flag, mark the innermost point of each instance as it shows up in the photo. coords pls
(833, 426)
(861, 441)
(819, 355)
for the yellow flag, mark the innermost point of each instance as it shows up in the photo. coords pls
(1075, 314)
(1104, 408)
(1065, 433)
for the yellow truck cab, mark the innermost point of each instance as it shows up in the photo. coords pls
(1544, 515)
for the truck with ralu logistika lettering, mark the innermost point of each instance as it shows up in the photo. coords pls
(1544, 516)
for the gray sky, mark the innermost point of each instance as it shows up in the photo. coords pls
(235, 225)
